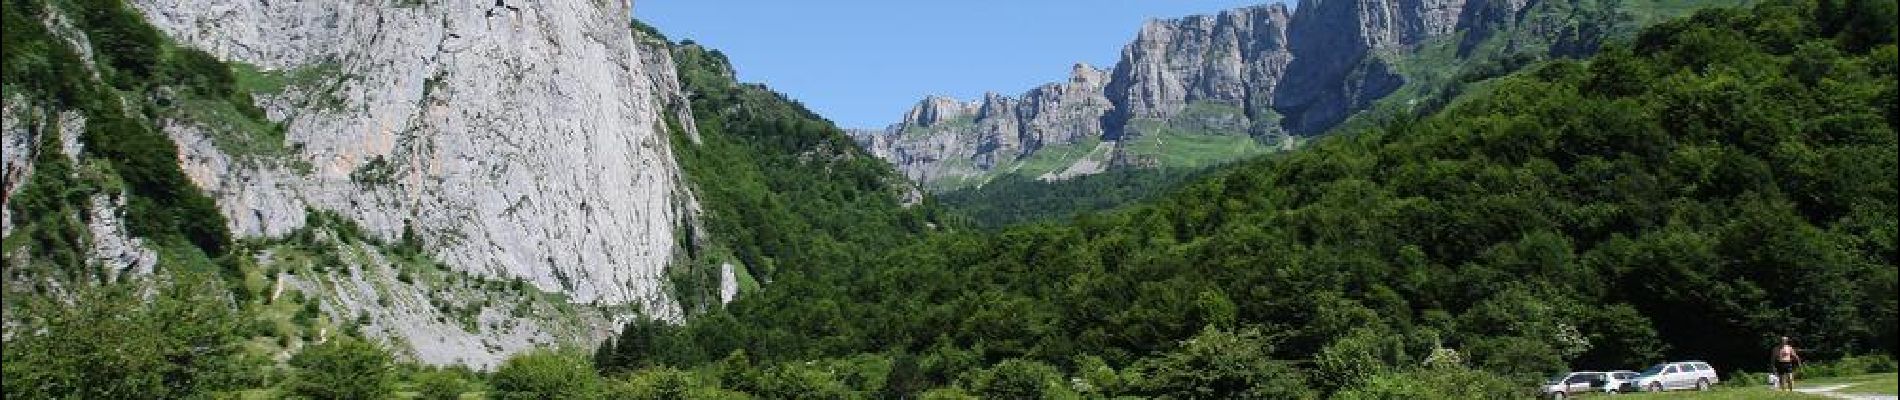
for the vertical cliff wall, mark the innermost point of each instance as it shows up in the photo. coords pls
(517, 138)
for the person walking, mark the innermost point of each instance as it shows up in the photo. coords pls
(1785, 360)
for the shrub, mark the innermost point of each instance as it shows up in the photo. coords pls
(440, 385)
(545, 374)
(1020, 379)
(1455, 382)
(126, 341)
(1849, 366)
(799, 380)
(122, 37)
(1746, 379)
(343, 368)
(1359, 355)
(201, 73)
(667, 383)
(1219, 364)
(949, 393)
(652, 383)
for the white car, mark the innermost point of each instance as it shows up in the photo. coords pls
(1564, 386)
(1677, 376)
(1621, 381)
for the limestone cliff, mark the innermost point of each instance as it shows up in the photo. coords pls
(942, 139)
(1194, 74)
(1234, 58)
(517, 139)
(1239, 82)
(1336, 40)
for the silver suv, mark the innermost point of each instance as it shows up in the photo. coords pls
(1677, 376)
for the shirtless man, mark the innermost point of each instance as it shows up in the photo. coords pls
(1785, 360)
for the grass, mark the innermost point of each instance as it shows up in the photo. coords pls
(319, 81)
(1836, 380)
(1650, 12)
(231, 130)
(1859, 384)
(1724, 393)
(1053, 158)
(747, 283)
(1881, 384)
(1188, 141)
(257, 80)
(1865, 384)
(1193, 151)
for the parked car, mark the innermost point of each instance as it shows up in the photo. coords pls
(1568, 385)
(1621, 381)
(1677, 376)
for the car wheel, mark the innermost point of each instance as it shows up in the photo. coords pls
(1557, 396)
(1655, 386)
(1702, 384)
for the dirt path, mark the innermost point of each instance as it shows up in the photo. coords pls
(1830, 391)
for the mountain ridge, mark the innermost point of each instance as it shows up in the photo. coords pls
(1201, 90)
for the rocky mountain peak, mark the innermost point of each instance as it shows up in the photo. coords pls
(935, 110)
(1263, 72)
(996, 105)
(1218, 58)
(1377, 24)
(1084, 74)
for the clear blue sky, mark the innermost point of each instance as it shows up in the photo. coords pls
(862, 63)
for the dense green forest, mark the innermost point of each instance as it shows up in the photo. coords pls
(1714, 182)
(1014, 199)
(786, 192)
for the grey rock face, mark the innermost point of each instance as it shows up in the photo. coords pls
(523, 137)
(107, 244)
(657, 55)
(113, 246)
(518, 139)
(1064, 113)
(1260, 71)
(484, 327)
(874, 141)
(22, 121)
(1236, 57)
(944, 140)
(19, 143)
(936, 110)
(1335, 41)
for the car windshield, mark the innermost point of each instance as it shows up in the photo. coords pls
(1559, 378)
(1653, 370)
